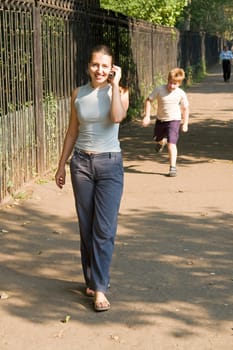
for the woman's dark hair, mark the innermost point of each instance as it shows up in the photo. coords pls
(100, 48)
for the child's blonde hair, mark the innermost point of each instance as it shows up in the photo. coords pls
(176, 74)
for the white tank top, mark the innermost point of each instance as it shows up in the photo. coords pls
(97, 132)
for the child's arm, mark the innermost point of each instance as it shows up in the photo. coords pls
(185, 118)
(147, 109)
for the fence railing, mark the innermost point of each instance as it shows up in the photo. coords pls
(44, 46)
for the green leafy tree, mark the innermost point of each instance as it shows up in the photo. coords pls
(164, 12)
(213, 16)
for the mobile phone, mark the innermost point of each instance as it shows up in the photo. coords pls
(111, 75)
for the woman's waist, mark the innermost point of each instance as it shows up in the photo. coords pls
(90, 154)
(98, 146)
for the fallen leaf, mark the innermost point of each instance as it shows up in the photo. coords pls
(3, 231)
(190, 263)
(66, 320)
(4, 295)
(26, 223)
(57, 232)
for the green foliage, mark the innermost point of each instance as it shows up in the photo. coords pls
(213, 16)
(50, 110)
(42, 181)
(136, 107)
(164, 12)
(195, 73)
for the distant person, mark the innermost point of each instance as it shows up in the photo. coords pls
(226, 57)
(96, 167)
(172, 111)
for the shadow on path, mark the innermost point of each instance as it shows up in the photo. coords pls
(186, 261)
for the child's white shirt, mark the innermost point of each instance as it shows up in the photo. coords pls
(169, 103)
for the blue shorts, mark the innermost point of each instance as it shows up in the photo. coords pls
(169, 130)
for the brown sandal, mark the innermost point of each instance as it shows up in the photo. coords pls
(101, 304)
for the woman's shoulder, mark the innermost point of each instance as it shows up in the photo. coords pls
(78, 89)
(74, 93)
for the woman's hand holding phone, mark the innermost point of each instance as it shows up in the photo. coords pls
(115, 74)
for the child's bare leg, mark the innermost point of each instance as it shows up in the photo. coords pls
(160, 145)
(172, 153)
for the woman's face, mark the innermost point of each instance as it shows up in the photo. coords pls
(99, 69)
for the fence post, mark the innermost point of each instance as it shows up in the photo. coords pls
(38, 90)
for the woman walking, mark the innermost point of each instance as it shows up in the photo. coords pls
(96, 167)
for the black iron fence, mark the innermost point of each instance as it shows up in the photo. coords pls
(44, 46)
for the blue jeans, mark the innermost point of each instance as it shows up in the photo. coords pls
(97, 181)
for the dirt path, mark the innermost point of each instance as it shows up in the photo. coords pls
(172, 271)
